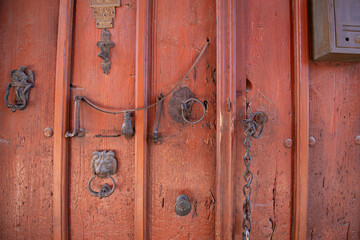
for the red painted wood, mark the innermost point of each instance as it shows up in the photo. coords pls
(141, 100)
(185, 162)
(225, 118)
(334, 172)
(265, 30)
(26, 187)
(112, 217)
(61, 119)
(301, 103)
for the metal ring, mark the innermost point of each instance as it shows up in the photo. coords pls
(97, 194)
(182, 110)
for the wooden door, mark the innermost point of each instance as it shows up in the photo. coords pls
(257, 59)
(183, 162)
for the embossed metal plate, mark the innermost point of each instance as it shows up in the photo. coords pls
(104, 12)
(104, 3)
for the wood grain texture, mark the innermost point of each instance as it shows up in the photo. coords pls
(266, 33)
(112, 217)
(185, 162)
(26, 187)
(225, 117)
(141, 100)
(334, 172)
(301, 103)
(61, 118)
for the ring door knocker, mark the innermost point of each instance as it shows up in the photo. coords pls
(103, 164)
(180, 106)
(21, 82)
(254, 127)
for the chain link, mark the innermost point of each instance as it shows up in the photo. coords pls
(252, 124)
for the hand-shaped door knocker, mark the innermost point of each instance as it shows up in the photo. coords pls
(21, 82)
(103, 164)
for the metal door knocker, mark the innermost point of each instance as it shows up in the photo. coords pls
(21, 82)
(180, 106)
(103, 164)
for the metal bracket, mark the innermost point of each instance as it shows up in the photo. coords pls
(21, 82)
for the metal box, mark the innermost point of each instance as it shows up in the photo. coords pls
(336, 30)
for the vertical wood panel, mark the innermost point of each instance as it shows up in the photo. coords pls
(225, 118)
(141, 97)
(111, 217)
(266, 70)
(184, 161)
(28, 37)
(61, 114)
(334, 169)
(301, 90)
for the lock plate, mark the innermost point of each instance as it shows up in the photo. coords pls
(178, 98)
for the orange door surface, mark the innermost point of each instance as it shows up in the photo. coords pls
(234, 58)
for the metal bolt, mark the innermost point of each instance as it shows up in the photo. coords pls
(288, 143)
(48, 132)
(357, 39)
(312, 141)
(357, 139)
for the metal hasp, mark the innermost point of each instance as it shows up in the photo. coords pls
(182, 206)
(156, 136)
(254, 127)
(77, 132)
(180, 106)
(21, 82)
(103, 164)
(127, 129)
(104, 13)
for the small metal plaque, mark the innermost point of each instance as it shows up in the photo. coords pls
(104, 3)
(104, 12)
(104, 23)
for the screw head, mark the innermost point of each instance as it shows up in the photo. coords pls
(48, 132)
(288, 143)
(357, 139)
(357, 39)
(312, 141)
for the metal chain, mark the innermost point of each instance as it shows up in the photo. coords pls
(257, 119)
(93, 105)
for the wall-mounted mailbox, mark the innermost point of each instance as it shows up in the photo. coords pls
(336, 30)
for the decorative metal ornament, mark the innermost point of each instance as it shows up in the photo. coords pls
(105, 44)
(127, 128)
(21, 82)
(104, 13)
(103, 164)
